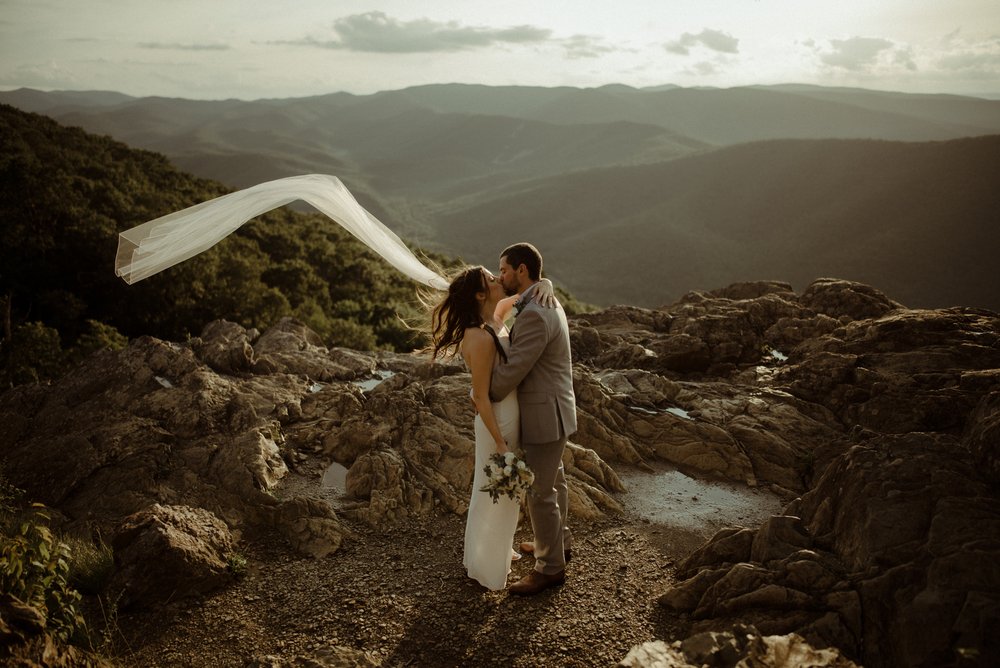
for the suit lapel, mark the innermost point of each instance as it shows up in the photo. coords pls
(521, 304)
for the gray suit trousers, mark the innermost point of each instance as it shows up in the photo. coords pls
(548, 504)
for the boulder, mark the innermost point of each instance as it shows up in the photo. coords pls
(224, 346)
(310, 526)
(166, 553)
(292, 348)
(839, 298)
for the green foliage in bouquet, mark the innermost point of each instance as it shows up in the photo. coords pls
(506, 475)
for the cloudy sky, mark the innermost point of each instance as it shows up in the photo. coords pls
(211, 49)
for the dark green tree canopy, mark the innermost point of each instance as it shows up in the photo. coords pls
(66, 194)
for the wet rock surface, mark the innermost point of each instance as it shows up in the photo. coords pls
(875, 424)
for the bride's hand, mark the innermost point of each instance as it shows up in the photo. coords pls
(502, 448)
(545, 294)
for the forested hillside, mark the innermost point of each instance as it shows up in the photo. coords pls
(919, 219)
(64, 197)
(635, 196)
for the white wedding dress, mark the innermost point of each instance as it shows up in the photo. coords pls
(489, 527)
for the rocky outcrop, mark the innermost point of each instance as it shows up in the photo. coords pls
(151, 424)
(879, 421)
(902, 372)
(848, 300)
(891, 555)
(983, 427)
(743, 646)
(883, 418)
(218, 423)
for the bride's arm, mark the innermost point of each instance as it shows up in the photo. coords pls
(504, 307)
(478, 350)
(544, 295)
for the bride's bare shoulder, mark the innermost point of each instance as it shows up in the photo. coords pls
(476, 336)
(476, 342)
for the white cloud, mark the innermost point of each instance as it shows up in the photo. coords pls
(585, 46)
(379, 33)
(715, 40)
(977, 59)
(855, 54)
(950, 56)
(904, 57)
(704, 69)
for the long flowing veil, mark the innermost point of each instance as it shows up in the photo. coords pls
(155, 245)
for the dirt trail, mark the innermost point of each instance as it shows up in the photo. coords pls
(402, 596)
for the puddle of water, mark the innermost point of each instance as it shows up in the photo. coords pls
(335, 478)
(163, 381)
(778, 355)
(315, 387)
(679, 412)
(670, 498)
(371, 383)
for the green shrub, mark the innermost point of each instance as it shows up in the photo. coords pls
(34, 567)
(10, 496)
(34, 353)
(98, 336)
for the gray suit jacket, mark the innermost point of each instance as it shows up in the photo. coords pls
(539, 365)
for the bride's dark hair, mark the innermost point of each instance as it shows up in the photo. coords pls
(458, 311)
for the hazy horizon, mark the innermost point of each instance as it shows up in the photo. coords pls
(187, 49)
(983, 96)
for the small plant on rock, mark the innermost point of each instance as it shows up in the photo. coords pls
(237, 563)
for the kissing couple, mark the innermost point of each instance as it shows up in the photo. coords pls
(522, 377)
(522, 387)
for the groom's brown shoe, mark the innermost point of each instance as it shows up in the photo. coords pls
(534, 582)
(529, 548)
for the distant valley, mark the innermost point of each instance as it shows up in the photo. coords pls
(634, 196)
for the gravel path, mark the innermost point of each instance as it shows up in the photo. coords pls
(403, 598)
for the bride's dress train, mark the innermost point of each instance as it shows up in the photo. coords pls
(490, 527)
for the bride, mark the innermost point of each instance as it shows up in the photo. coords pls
(471, 318)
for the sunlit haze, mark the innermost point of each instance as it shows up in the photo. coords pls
(226, 48)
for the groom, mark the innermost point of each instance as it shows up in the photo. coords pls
(540, 367)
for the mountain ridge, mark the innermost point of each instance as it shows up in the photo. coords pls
(796, 224)
(434, 163)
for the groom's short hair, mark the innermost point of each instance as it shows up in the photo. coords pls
(526, 254)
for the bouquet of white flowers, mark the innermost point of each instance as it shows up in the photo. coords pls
(507, 475)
